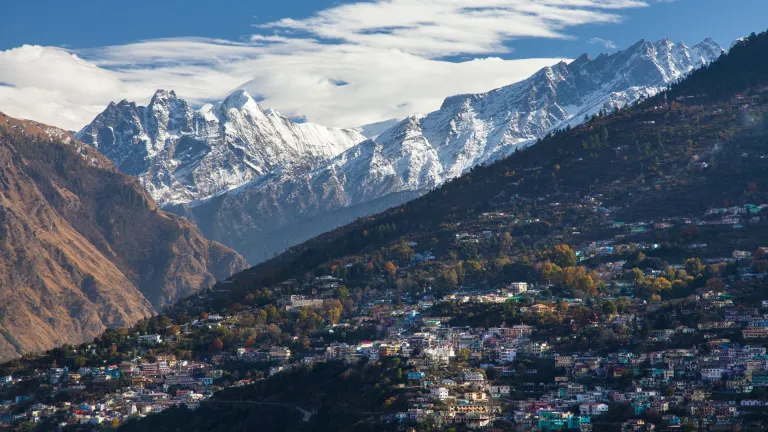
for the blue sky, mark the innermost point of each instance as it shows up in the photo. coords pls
(94, 23)
(393, 57)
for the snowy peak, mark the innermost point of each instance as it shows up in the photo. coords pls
(238, 100)
(183, 155)
(163, 97)
(706, 51)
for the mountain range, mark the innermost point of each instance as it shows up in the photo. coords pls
(260, 183)
(183, 155)
(84, 247)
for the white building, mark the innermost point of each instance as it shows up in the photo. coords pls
(713, 373)
(500, 391)
(440, 354)
(150, 339)
(521, 330)
(473, 376)
(592, 409)
(440, 393)
(518, 287)
(538, 348)
(507, 355)
(300, 301)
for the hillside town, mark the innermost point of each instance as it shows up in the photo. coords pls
(707, 376)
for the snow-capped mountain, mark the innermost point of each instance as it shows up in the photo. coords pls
(181, 154)
(294, 184)
(472, 129)
(421, 152)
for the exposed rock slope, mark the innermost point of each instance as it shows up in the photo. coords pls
(83, 247)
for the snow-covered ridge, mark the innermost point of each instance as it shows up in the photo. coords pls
(181, 154)
(258, 182)
(423, 151)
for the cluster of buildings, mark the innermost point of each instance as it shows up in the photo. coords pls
(129, 389)
(458, 375)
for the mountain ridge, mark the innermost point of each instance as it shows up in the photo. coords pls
(181, 154)
(425, 150)
(84, 247)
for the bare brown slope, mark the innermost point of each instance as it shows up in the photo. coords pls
(83, 247)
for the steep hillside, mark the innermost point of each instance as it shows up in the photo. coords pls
(643, 164)
(83, 247)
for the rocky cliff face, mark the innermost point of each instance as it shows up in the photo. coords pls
(83, 247)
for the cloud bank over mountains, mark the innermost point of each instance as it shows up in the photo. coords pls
(348, 65)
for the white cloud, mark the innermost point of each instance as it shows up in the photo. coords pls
(604, 42)
(387, 54)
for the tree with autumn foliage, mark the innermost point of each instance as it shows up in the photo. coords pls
(563, 256)
(390, 268)
(551, 273)
(332, 310)
(217, 345)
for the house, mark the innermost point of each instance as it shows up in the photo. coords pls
(564, 361)
(740, 254)
(521, 330)
(101, 378)
(473, 376)
(151, 339)
(440, 393)
(500, 391)
(755, 332)
(537, 348)
(440, 354)
(507, 355)
(592, 409)
(517, 288)
(300, 301)
(476, 396)
(637, 425)
(557, 420)
(714, 373)
(416, 376)
(447, 382)
(279, 354)
(541, 308)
